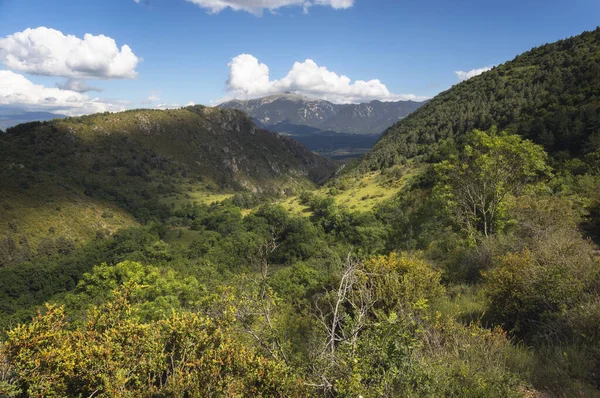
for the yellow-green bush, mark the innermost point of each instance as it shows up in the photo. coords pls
(113, 355)
(400, 280)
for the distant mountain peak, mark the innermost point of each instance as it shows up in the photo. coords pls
(288, 112)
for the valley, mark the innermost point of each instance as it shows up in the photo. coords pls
(337, 131)
(263, 248)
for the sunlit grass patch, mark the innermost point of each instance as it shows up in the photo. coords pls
(293, 205)
(38, 213)
(195, 196)
(366, 191)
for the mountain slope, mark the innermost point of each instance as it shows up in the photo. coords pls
(10, 117)
(550, 95)
(77, 176)
(295, 110)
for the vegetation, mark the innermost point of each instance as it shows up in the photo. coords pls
(491, 167)
(100, 173)
(474, 275)
(548, 95)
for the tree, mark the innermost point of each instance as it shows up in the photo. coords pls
(492, 166)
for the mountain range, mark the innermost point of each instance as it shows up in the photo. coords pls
(336, 130)
(10, 117)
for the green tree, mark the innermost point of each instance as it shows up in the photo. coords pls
(490, 168)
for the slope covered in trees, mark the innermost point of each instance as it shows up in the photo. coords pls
(473, 275)
(78, 176)
(550, 95)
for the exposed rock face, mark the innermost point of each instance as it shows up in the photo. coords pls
(251, 153)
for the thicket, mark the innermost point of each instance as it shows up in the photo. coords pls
(412, 299)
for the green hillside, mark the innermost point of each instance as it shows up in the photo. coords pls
(550, 95)
(152, 253)
(94, 174)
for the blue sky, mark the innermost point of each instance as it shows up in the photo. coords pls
(183, 50)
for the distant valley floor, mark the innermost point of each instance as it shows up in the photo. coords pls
(337, 146)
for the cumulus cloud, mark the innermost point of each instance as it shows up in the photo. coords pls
(167, 106)
(17, 91)
(462, 76)
(48, 52)
(256, 7)
(248, 78)
(77, 85)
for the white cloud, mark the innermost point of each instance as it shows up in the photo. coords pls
(167, 106)
(462, 76)
(18, 91)
(153, 98)
(256, 7)
(248, 78)
(48, 52)
(77, 85)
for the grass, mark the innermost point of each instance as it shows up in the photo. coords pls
(52, 211)
(366, 191)
(464, 303)
(195, 194)
(185, 239)
(363, 193)
(359, 194)
(293, 206)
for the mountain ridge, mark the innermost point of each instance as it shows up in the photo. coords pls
(550, 94)
(126, 163)
(10, 117)
(365, 118)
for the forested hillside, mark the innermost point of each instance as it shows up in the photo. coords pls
(550, 95)
(453, 261)
(79, 176)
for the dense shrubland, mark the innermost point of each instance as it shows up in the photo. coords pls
(415, 298)
(477, 274)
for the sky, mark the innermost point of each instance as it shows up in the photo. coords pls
(83, 56)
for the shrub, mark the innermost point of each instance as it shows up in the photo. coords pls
(528, 292)
(113, 354)
(400, 280)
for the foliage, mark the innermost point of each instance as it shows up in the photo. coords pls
(112, 354)
(159, 294)
(492, 166)
(548, 95)
(400, 280)
(528, 291)
(366, 286)
(95, 172)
